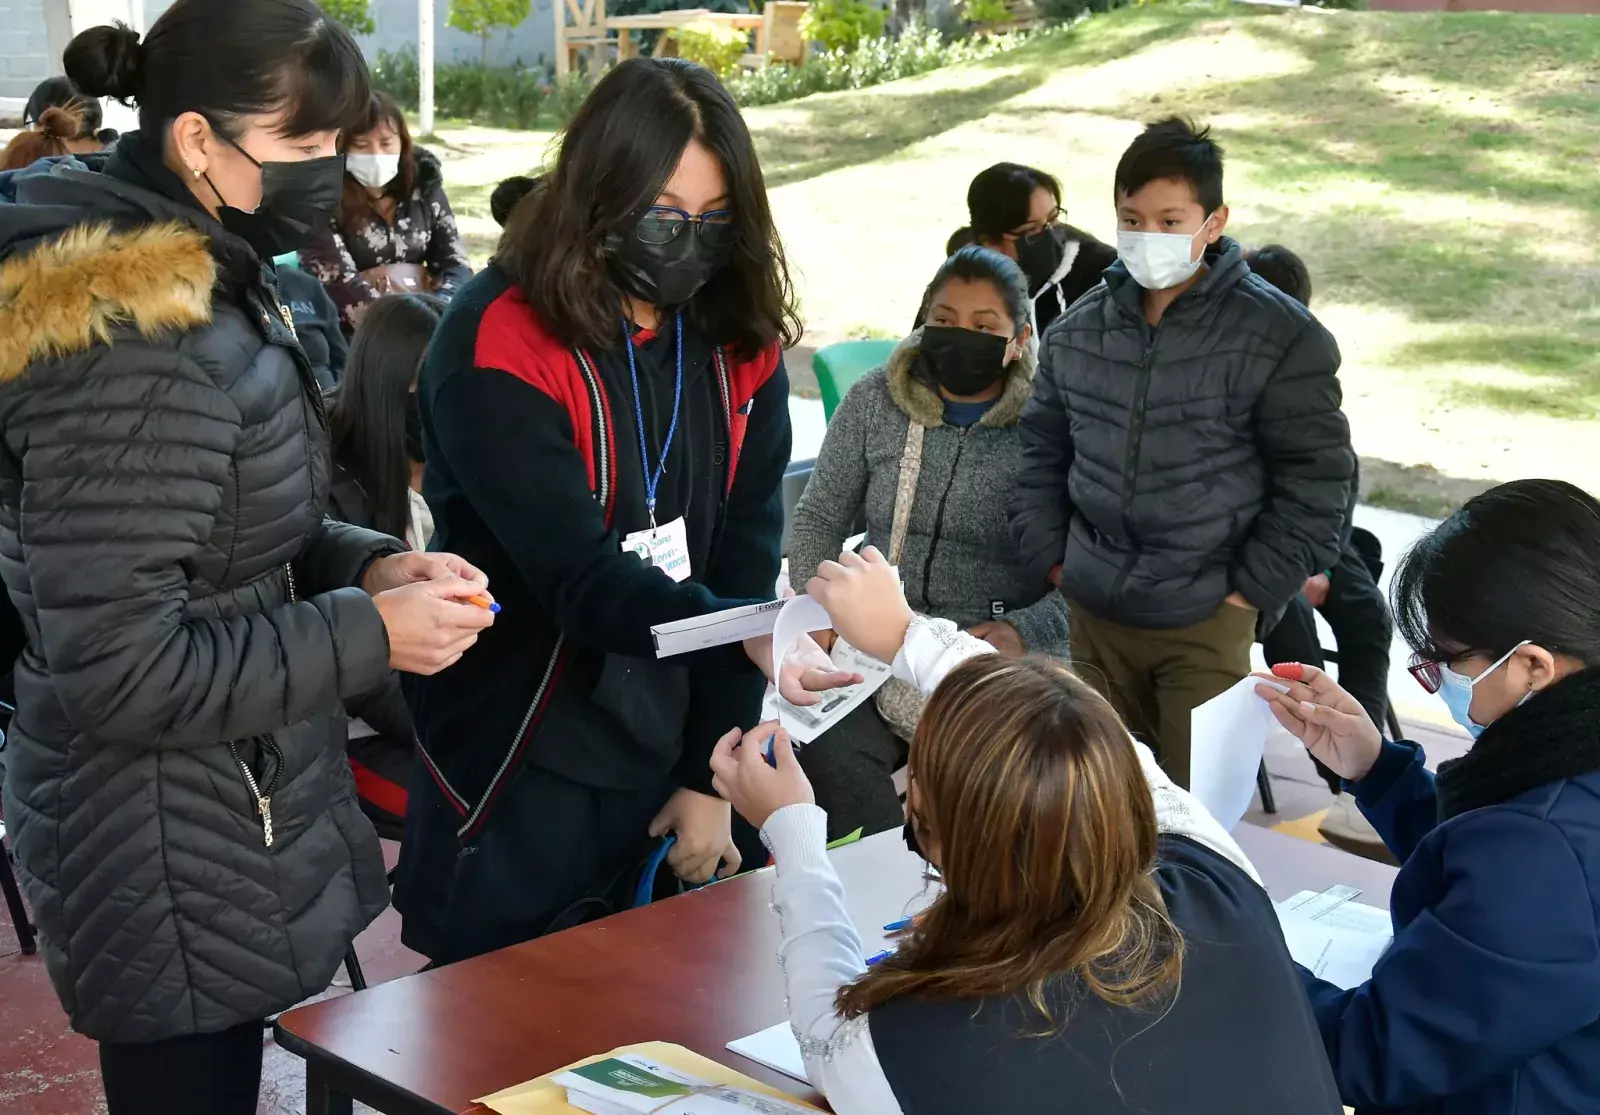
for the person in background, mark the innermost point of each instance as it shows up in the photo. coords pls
(1347, 593)
(376, 432)
(507, 194)
(175, 791)
(1016, 210)
(1488, 1000)
(1100, 944)
(54, 135)
(395, 233)
(59, 92)
(605, 415)
(927, 447)
(1186, 465)
(316, 323)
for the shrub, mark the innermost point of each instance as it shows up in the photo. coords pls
(872, 62)
(716, 46)
(985, 11)
(1066, 11)
(505, 96)
(354, 14)
(841, 24)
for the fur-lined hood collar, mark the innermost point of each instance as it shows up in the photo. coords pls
(67, 294)
(921, 403)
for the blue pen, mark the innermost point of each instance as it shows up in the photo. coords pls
(897, 926)
(772, 758)
(880, 957)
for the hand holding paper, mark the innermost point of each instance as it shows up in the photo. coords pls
(808, 718)
(1320, 714)
(1227, 737)
(861, 594)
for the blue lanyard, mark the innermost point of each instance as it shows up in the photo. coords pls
(651, 483)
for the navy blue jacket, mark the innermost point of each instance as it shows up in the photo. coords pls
(1488, 1003)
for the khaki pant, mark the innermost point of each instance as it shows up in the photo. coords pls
(1154, 677)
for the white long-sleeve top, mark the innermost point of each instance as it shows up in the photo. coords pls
(820, 950)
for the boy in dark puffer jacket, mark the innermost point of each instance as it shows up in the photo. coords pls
(1185, 460)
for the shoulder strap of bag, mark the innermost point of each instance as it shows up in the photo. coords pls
(905, 492)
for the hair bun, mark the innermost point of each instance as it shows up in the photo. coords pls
(107, 61)
(60, 123)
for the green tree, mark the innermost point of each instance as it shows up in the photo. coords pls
(481, 17)
(354, 14)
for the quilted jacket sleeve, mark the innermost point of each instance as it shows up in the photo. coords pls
(1304, 441)
(1040, 507)
(125, 454)
(339, 554)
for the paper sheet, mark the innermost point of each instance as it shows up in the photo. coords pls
(1337, 939)
(776, 1048)
(800, 616)
(734, 625)
(1227, 738)
(541, 1097)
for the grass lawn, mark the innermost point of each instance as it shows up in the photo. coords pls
(1440, 173)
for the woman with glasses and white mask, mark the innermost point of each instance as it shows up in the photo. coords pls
(1489, 999)
(605, 419)
(395, 233)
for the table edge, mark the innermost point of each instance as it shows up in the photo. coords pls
(376, 1087)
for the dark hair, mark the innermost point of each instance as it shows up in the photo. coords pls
(1283, 269)
(58, 92)
(227, 60)
(999, 200)
(984, 265)
(357, 203)
(1521, 561)
(367, 423)
(56, 128)
(1173, 148)
(1047, 835)
(507, 194)
(615, 159)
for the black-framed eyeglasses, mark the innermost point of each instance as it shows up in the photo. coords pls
(662, 224)
(1057, 215)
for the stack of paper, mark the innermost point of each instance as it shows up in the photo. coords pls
(1335, 938)
(631, 1084)
(800, 616)
(776, 1048)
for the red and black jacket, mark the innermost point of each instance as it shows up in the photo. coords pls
(534, 475)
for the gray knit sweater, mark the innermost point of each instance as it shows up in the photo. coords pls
(957, 561)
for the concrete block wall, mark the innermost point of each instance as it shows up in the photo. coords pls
(24, 48)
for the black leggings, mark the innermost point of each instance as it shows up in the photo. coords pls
(199, 1074)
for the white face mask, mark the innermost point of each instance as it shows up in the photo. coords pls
(1160, 260)
(372, 171)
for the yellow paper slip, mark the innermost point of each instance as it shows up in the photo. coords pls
(540, 1097)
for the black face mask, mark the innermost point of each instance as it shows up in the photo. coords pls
(297, 202)
(414, 430)
(963, 361)
(666, 275)
(1040, 257)
(910, 834)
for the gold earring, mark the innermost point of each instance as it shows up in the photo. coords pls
(192, 170)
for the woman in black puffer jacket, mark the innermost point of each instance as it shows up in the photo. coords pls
(175, 784)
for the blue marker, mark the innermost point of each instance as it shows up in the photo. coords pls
(879, 957)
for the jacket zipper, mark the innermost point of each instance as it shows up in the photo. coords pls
(263, 795)
(1130, 461)
(938, 518)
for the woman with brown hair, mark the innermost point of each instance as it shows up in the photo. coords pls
(1101, 943)
(395, 233)
(55, 133)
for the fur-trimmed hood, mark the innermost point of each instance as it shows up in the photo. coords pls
(921, 403)
(67, 294)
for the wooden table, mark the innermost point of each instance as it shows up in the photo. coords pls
(625, 26)
(699, 970)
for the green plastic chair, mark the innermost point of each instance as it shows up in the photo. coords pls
(837, 368)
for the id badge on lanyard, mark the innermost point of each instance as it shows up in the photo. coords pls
(664, 546)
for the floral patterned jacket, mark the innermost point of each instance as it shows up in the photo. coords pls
(424, 232)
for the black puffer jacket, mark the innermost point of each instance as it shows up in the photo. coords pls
(162, 483)
(1165, 467)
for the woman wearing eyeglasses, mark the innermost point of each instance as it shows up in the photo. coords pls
(605, 418)
(1016, 210)
(1489, 999)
